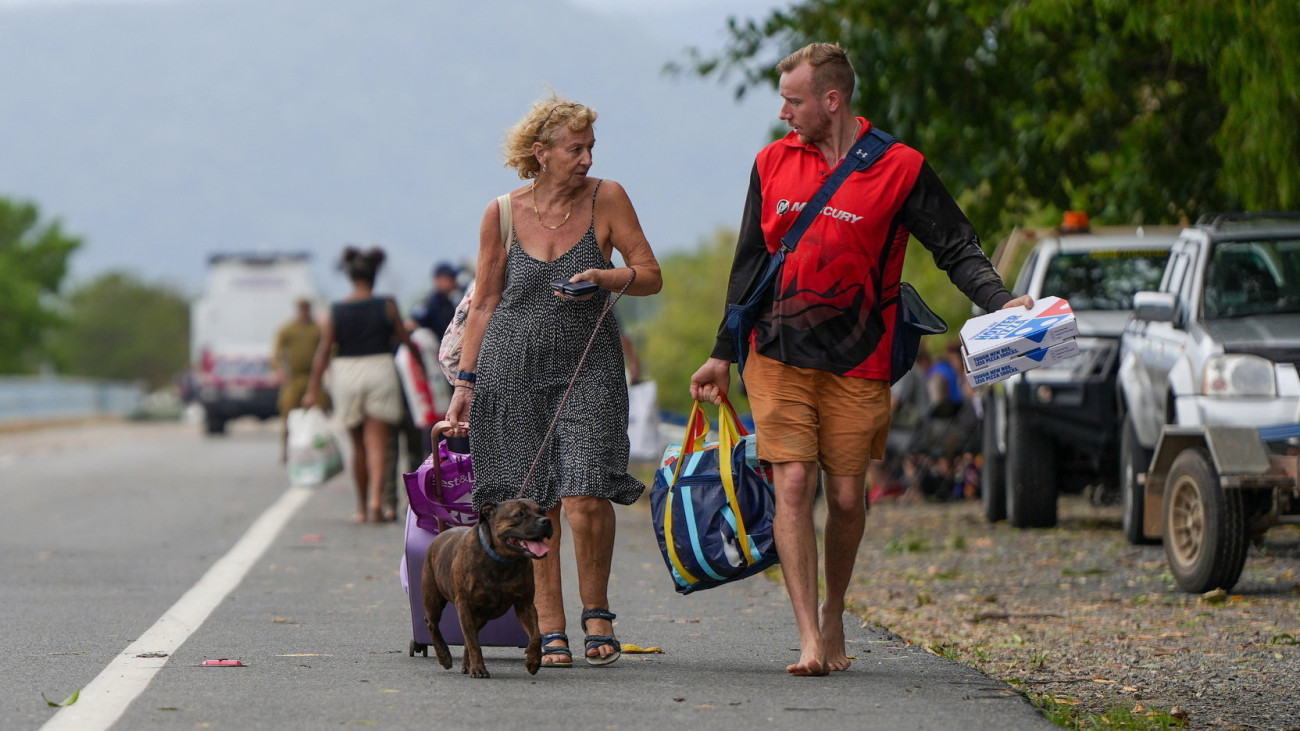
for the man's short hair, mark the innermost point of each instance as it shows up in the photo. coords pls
(831, 67)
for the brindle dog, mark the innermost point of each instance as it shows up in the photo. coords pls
(483, 571)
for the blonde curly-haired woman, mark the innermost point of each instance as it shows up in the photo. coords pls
(523, 342)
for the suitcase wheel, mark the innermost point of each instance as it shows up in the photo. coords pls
(419, 647)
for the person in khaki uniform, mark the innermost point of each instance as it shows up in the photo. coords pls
(295, 347)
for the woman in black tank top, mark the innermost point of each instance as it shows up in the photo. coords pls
(366, 394)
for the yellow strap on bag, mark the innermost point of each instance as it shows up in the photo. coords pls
(728, 438)
(668, 541)
(697, 427)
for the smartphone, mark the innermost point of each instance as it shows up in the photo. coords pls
(575, 289)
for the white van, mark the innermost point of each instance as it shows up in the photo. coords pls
(246, 299)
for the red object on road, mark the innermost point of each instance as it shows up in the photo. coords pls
(224, 663)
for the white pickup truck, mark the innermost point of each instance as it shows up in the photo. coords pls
(1210, 397)
(246, 299)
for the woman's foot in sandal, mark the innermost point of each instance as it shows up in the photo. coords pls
(600, 649)
(554, 655)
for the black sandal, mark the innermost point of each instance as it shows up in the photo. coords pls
(594, 641)
(556, 650)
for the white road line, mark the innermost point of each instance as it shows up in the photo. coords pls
(106, 698)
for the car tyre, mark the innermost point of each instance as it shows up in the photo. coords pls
(214, 425)
(993, 485)
(1030, 474)
(1133, 460)
(1205, 525)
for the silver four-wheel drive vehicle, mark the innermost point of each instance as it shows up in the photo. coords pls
(1210, 397)
(1054, 429)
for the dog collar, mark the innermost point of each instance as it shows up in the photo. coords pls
(483, 539)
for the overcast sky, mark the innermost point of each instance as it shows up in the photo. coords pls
(162, 136)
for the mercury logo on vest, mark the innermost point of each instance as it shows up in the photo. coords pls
(784, 206)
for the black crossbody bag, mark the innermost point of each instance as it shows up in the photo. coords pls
(913, 318)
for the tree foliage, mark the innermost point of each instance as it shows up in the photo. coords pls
(681, 334)
(33, 262)
(1137, 112)
(122, 328)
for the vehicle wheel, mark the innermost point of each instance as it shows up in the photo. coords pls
(1133, 460)
(419, 647)
(1205, 526)
(214, 425)
(993, 486)
(1031, 474)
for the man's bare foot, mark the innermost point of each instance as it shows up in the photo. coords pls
(832, 627)
(808, 667)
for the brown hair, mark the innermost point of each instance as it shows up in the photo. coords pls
(831, 67)
(542, 122)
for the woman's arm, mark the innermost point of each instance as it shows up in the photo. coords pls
(623, 233)
(489, 283)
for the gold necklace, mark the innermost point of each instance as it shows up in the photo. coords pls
(533, 190)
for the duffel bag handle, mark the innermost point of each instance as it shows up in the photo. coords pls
(730, 431)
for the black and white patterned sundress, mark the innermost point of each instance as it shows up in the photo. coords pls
(529, 353)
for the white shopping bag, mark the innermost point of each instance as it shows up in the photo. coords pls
(644, 442)
(313, 455)
(427, 399)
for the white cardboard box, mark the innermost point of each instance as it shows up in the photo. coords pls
(1019, 364)
(999, 336)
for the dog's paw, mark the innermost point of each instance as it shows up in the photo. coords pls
(444, 657)
(479, 673)
(531, 666)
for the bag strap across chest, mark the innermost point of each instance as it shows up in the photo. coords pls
(869, 148)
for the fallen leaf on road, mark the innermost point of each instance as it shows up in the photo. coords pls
(1217, 596)
(66, 702)
(635, 649)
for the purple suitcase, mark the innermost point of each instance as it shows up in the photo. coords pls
(504, 631)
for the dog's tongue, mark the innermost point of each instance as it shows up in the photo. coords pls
(537, 548)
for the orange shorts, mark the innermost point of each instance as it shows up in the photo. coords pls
(809, 415)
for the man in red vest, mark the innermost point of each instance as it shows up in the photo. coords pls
(818, 371)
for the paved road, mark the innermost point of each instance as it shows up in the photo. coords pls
(106, 528)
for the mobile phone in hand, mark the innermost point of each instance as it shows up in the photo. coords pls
(575, 289)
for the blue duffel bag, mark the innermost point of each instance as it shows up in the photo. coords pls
(713, 505)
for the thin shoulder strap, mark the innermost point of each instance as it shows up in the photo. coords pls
(507, 219)
(593, 202)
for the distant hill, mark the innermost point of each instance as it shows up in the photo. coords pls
(164, 131)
